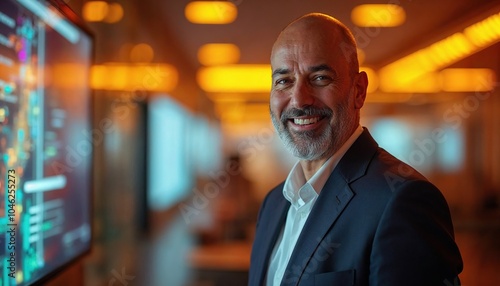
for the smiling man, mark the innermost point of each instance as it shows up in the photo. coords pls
(349, 213)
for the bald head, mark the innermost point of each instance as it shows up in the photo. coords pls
(317, 89)
(317, 28)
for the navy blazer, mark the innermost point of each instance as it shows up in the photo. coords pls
(377, 221)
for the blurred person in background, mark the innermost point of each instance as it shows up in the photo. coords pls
(232, 213)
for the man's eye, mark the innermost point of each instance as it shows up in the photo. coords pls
(282, 81)
(321, 80)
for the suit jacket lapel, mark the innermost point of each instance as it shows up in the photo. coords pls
(334, 197)
(272, 229)
(325, 212)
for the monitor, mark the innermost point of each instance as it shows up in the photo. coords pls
(170, 176)
(45, 140)
(182, 147)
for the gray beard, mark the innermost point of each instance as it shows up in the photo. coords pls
(311, 146)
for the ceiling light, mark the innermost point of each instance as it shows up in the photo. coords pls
(218, 54)
(95, 11)
(142, 53)
(235, 78)
(378, 15)
(484, 33)
(127, 77)
(114, 14)
(467, 79)
(239, 114)
(211, 12)
(398, 75)
(68, 75)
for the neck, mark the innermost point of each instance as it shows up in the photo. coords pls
(310, 167)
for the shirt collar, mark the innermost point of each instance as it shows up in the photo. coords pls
(299, 192)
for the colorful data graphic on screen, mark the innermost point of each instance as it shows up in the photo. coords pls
(45, 150)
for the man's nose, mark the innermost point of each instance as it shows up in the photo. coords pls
(302, 95)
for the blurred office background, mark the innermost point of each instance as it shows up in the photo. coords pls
(185, 151)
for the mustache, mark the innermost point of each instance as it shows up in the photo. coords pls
(306, 111)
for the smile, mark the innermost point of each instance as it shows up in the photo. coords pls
(306, 121)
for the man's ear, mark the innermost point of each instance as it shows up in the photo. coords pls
(360, 84)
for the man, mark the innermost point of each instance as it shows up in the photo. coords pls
(349, 213)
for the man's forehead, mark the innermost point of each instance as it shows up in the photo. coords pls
(304, 36)
(307, 54)
(311, 43)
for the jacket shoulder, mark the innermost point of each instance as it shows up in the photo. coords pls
(275, 194)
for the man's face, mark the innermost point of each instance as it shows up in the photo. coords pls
(312, 96)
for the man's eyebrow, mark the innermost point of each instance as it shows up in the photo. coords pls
(280, 72)
(322, 67)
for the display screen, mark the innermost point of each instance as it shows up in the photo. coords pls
(170, 175)
(182, 147)
(45, 141)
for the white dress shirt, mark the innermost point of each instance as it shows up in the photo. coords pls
(302, 195)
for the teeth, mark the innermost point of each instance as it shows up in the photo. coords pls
(306, 121)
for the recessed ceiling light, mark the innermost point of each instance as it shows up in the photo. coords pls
(218, 54)
(378, 15)
(211, 12)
